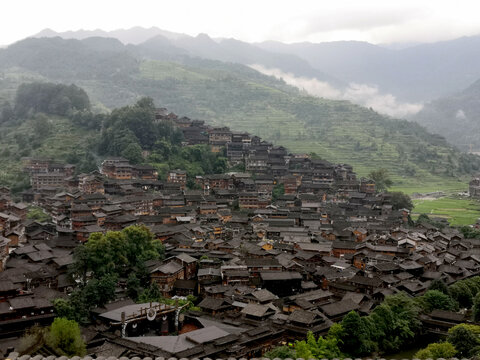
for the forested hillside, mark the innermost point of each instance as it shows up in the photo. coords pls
(414, 73)
(72, 133)
(235, 95)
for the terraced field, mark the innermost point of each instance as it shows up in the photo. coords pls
(457, 211)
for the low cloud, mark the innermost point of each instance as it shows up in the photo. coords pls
(361, 94)
(460, 115)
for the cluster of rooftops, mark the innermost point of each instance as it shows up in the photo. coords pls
(265, 269)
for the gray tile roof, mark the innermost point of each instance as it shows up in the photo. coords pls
(109, 355)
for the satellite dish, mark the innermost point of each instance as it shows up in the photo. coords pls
(151, 314)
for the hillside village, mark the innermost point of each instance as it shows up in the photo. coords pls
(288, 244)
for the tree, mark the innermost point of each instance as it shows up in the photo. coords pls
(470, 233)
(116, 252)
(133, 153)
(153, 293)
(321, 348)
(383, 329)
(102, 260)
(138, 119)
(163, 148)
(32, 340)
(400, 200)
(461, 293)
(435, 299)
(64, 336)
(36, 213)
(443, 350)
(41, 126)
(464, 340)
(475, 329)
(281, 352)
(381, 178)
(278, 190)
(423, 218)
(476, 308)
(133, 286)
(355, 339)
(49, 98)
(7, 113)
(64, 309)
(439, 284)
(99, 291)
(394, 323)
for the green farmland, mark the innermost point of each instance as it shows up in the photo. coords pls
(458, 211)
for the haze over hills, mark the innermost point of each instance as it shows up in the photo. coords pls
(419, 73)
(174, 44)
(394, 81)
(413, 74)
(457, 117)
(135, 35)
(224, 93)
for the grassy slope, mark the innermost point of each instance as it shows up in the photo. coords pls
(301, 123)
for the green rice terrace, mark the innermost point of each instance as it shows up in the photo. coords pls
(458, 211)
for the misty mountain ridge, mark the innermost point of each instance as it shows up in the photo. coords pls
(135, 35)
(393, 82)
(151, 40)
(456, 117)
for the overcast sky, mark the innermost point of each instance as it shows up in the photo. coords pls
(376, 21)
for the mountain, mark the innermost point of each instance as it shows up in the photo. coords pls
(235, 95)
(415, 73)
(135, 35)
(55, 121)
(456, 117)
(152, 40)
(419, 73)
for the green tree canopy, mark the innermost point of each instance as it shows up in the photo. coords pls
(476, 308)
(278, 190)
(464, 340)
(355, 340)
(439, 284)
(435, 299)
(381, 178)
(64, 337)
(101, 261)
(320, 348)
(443, 350)
(281, 352)
(400, 200)
(116, 252)
(49, 98)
